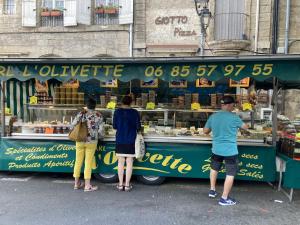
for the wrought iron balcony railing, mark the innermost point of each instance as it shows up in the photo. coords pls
(53, 20)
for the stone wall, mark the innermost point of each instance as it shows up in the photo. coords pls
(264, 25)
(60, 41)
(139, 45)
(291, 97)
(292, 103)
(172, 28)
(294, 34)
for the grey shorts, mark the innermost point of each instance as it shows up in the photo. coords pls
(231, 163)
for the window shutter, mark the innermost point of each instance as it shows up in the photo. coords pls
(70, 13)
(126, 11)
(29, 13)
(229, 20)
(84, 12)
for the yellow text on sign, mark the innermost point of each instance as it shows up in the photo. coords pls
(182, 71)
(151, 71)
(262, 69)
(73, 70)
(206, 70)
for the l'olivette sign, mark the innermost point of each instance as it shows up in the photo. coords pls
(190, 69)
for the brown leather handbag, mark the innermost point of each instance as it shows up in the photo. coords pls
(79, 132)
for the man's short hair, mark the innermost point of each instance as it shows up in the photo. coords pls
(227, 100)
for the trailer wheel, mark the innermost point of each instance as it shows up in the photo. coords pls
(106, 178)
(151, 180)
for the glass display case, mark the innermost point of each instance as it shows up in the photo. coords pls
(53, 122)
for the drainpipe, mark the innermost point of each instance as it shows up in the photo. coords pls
(275, 109)
(130, 46)
(3, 108)
(275, 27)
(131, 43)
(287, 26)
(256, 25)
(131, 30)
(130, 40)
(286, 38)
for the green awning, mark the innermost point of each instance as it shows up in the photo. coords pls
(260, 68)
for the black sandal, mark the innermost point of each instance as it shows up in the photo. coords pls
(128, 188)
(120, 187)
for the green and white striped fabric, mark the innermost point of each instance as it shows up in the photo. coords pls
(17, 95)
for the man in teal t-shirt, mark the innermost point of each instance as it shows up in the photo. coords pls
(224, 126)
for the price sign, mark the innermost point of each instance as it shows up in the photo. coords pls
(33, 100)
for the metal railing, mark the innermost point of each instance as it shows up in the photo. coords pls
(106, 19)
(9, 8)
(103, 17)
(100, 19)
(52, 21)
(231, 26)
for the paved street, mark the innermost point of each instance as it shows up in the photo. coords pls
(42, 199)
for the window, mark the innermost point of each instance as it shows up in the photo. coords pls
(9, 7)
(106, 12)
(53, 4)
(54, 17)
(230, 20)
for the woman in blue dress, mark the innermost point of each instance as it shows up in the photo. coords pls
(127, 123)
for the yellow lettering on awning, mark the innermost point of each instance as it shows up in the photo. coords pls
(2, 71)
(53, 74)
(84, 70)
(25, 72)
(95, 69)
(107, 69)
(9, 72)
(118, 70)
(75, 70)
(64, 72)
(45, 71)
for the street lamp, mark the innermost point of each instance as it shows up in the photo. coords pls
(205, 16)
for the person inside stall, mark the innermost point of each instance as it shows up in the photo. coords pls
(86, 150)
(224, 126)
(127, 123)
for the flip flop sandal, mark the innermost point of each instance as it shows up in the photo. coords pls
(128, 188)
(120, 187)
(79, 186)
(91, 188)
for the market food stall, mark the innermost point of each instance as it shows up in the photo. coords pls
(172, 97)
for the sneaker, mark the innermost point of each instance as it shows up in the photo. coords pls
(228, 201)
(212, 194)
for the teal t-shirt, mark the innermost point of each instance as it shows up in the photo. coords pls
(224, 126)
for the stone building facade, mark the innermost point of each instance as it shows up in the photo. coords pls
(168, 25)
(161, 28)
(51, 37)
(238, 27)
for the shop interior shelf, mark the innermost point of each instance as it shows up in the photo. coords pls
(77, 107)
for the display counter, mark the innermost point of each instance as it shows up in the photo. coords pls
(147, 138)
(165, 156)
(289, 176)
(172, 117)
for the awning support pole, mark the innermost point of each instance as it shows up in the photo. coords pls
(3, 108)
(275, 110)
